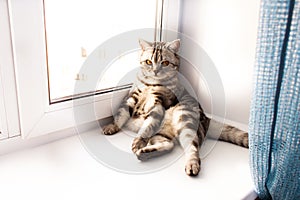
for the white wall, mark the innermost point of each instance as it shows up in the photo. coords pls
(226, 30)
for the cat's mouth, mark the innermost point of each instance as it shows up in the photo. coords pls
(156, 76)
(151, 74)
(155, 73)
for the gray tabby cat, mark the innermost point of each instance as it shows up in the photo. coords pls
(161, 111)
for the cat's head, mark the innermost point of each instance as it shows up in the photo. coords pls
(159, 59)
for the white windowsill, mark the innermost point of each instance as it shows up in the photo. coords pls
(65, 170)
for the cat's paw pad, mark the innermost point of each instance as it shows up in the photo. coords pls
(141, 156)
(145, 153)
(138, 143)
(150, 152)
(110, 129)
(192, 167)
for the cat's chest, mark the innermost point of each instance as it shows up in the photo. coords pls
(150, 96)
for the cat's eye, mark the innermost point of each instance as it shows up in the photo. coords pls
(165, 63)
(148, 62)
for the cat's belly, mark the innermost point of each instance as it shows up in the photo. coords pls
(134, 124)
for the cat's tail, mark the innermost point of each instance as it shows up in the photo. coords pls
(227, 133)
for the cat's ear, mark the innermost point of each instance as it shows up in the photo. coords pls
(144, 44)
(173, 46)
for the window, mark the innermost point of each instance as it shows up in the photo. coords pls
(48, 55)
(72, 37)
(9, 115)
(3, 128)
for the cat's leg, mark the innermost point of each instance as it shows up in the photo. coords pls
(150, 126)
(121, 117)
(157, 145)
(186, 122)
(189, 141)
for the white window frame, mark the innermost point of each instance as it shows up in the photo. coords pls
(37, 115)
(3, 127)
(9, 115)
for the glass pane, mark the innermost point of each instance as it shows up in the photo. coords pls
(75, 28)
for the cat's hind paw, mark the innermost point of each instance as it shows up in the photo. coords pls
(110, 129)
(138, 143)
(146, 153)
(149, 152)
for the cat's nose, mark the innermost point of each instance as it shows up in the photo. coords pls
(155, 72)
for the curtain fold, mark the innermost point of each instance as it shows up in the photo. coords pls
(274, 126)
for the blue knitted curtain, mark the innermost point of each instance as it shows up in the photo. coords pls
(274, 126)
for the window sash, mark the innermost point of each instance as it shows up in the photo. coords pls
(3, 127)
(71, 39)
(37, 115)
(9, 114)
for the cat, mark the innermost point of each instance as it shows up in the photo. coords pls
(160, 110)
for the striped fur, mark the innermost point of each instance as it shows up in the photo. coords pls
(225, 132)
(162, 112)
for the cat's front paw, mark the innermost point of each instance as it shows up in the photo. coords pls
(110, 129)
(138, 143)
(192, 167)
